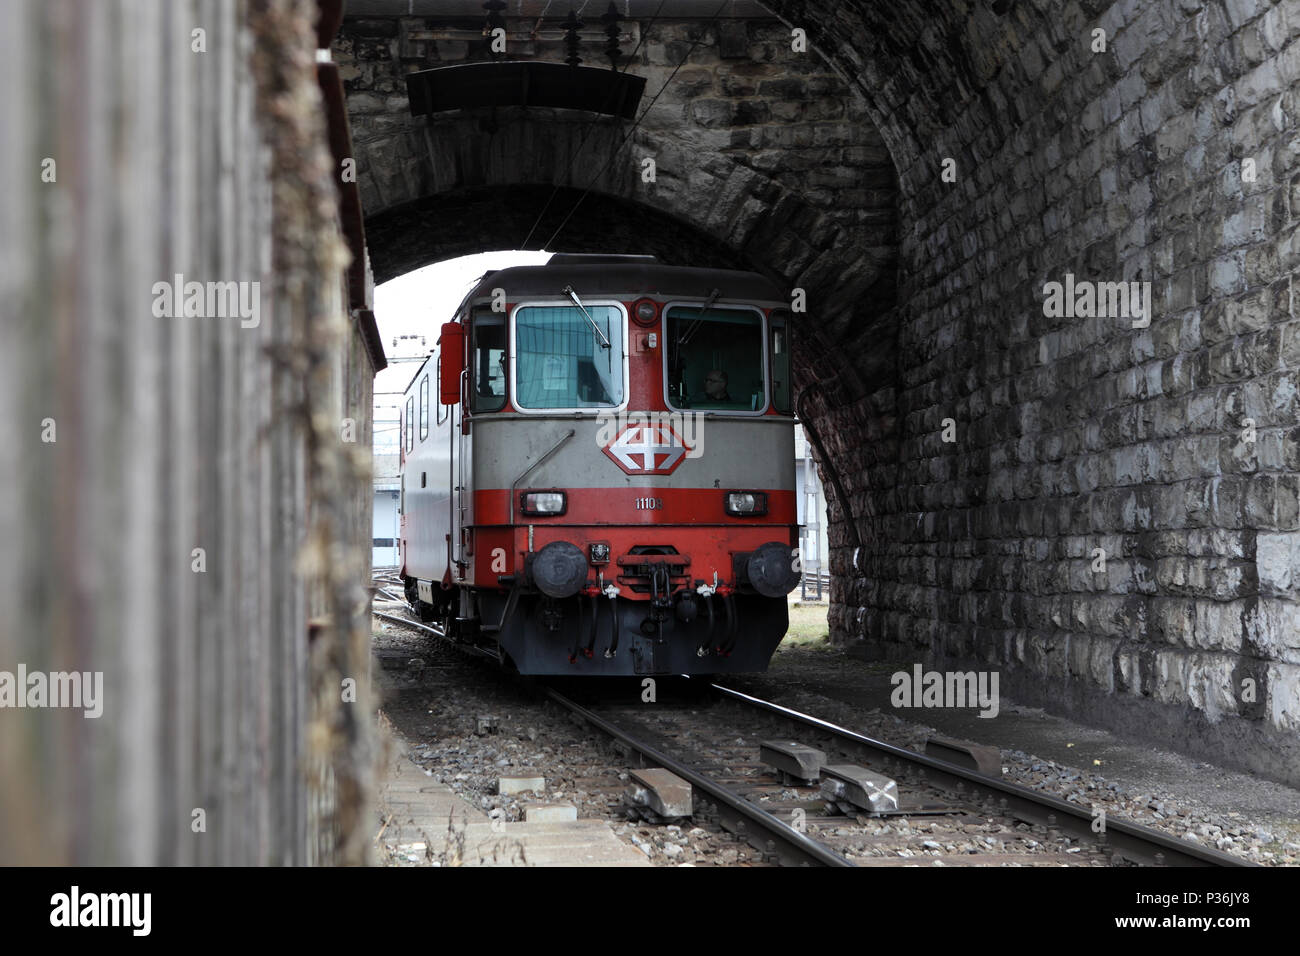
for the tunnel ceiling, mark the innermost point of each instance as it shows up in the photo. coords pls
(476, 219)
(760, 160)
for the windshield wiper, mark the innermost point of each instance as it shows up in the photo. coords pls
(604, 342)
(695, 326)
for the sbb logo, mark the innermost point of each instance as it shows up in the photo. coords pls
(654, 449)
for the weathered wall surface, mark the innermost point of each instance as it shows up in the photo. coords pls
(1080, 434)
(131, 438)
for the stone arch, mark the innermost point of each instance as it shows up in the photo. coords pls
(775, 170)
(467, 220)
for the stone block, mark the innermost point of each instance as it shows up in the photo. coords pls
(978, 757)
(794, 760)
(1273, 627)
(521, 784)
(659, 791)
(859, 787)
(1277, 557)
(1284, 696)
(550, 813)
(1210, 685)
(733, 39)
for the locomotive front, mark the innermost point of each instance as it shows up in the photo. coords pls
(618, 468)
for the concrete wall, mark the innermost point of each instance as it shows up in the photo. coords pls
(130, 439)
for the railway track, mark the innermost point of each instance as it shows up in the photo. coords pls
(941, 806)
(946, 814)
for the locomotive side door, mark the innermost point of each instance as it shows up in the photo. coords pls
(457, 481)
(483, 389)
(453, 495)
(451, 379)
(463, 519)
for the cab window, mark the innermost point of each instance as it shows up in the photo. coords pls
(715, 359)
(781, 386)
(488, 353)
(424, 408)
(562, 361)
(442, 409)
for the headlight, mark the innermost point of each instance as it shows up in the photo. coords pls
(746, 503)
(645, 312)
(542, 502)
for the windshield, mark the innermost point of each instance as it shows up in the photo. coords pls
(560, 361)
(715, 359)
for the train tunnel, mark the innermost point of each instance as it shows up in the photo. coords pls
(1097, 500)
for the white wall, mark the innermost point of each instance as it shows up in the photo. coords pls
(386, 529)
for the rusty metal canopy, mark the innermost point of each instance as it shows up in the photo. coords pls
(526, 83)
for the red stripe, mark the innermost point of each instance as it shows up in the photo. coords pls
(618, 506)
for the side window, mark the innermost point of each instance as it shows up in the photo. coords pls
(781, 386)
(410, 423)
(443, 410)
(424, 408)
(488, 353)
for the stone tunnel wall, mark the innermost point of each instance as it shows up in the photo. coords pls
(1172, 449)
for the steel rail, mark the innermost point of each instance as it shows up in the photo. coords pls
(467, 648)
(799, 848)
(1135, 843)
(797, 845)
(408, 622)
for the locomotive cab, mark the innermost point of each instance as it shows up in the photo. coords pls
(606, 485)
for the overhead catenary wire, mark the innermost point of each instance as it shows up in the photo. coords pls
(617, 149)
(589, 126)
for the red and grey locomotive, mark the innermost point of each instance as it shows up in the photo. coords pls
(598, 469)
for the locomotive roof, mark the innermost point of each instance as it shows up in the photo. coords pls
(598, 275)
